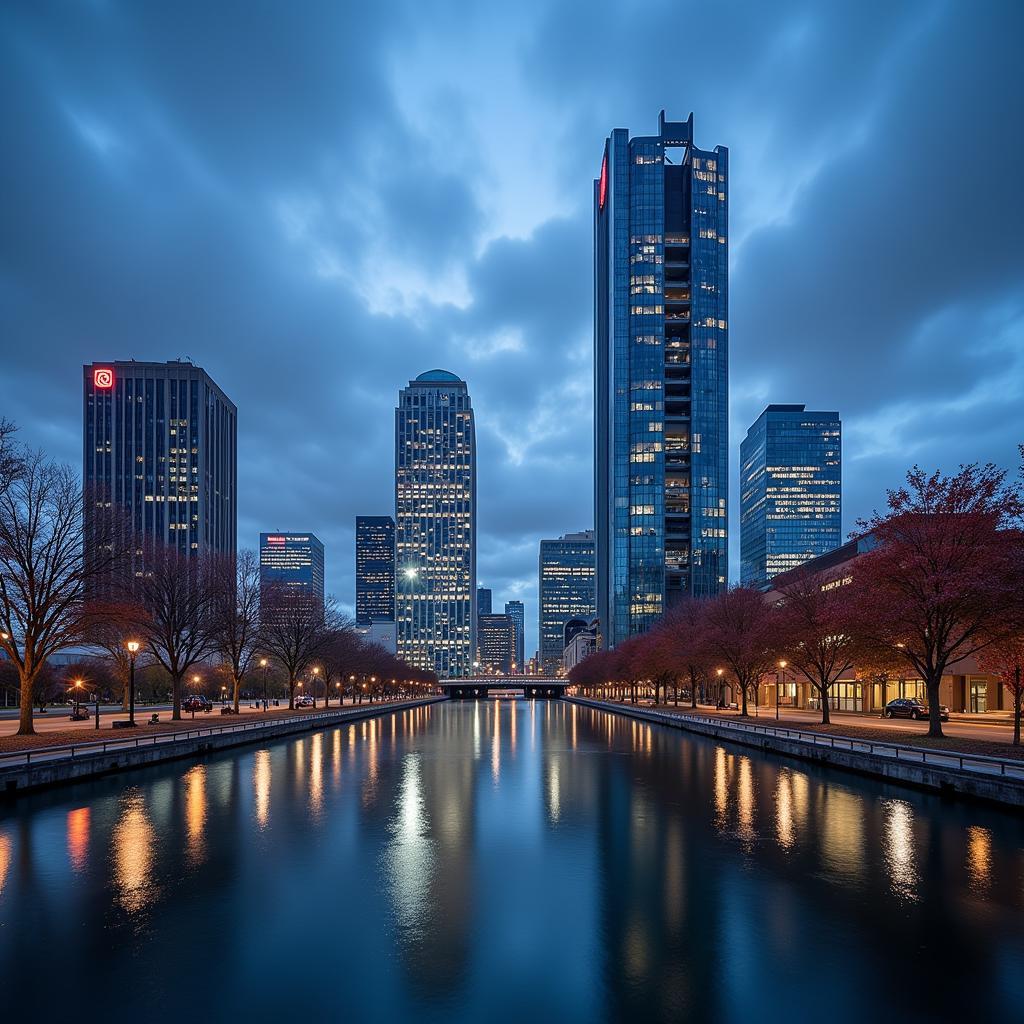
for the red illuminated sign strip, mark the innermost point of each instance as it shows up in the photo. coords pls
(602, 188)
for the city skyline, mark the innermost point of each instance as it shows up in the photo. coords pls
(482, 255)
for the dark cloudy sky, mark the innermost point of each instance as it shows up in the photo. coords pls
(316, 202)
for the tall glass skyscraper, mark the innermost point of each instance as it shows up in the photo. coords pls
(160, 444)
(435, 524)
(566, 591)
(375, 569)
(661, 366)
(294, 561)
(517, 613)
(791, 487)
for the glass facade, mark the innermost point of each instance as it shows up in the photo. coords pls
(483, 601)
(566, 589)
(160, 443)
(517, 613)
(375, 569)
(295, 561)
(435, 524)
(790, 491)
(661, 356)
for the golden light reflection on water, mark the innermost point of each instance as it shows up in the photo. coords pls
(637, 952)
(316, 776)
(261, 774)
(5, 859)
(979, 859)
(512, 737)
(195, 813)
(410, 858)
(721, 787)
(336, 758)
(745, 802)
(554, 794)
(496, 744)
(78, 838)
(133, 839)
(843, 833)
(899, 850)
(784, 829)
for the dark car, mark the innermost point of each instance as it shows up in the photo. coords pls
(912, 707)
(196, 702)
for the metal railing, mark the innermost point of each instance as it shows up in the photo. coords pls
(983, 764)
(47, 755)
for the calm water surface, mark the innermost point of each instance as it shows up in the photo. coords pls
(505, 862)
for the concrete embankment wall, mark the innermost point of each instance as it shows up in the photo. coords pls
(15, 779)
(948, 781)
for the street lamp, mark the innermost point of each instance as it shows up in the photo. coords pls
(352, 680)
(133, 651)
(718, 672)
(263, 665)
(316, 680)
(196, 680)
(782, 666)
(78, 697)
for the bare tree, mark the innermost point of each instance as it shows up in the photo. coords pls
(237, 615)
(47, 560)
(295, 630)
(177, 601)
(10, 458)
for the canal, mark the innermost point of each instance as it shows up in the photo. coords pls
(506, 861)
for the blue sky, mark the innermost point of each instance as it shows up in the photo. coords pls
(317, 202)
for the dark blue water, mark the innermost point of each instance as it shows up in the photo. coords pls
(507, 862)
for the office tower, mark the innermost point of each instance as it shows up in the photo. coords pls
(483, 601)
(517, 613)
(375, 569)
(160, 446)
(791, 484)
(661, 362)
(435, 524)
(292, 563)
(566, 591)
(496, 643)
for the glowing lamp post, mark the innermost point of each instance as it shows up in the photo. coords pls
(782, 672)
(263, 665)
(133, 653)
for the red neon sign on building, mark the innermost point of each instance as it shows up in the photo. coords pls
(103, 378)
(602, 188)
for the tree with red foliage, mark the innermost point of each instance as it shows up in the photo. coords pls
(1005, 660)
(936, 587)
(815, 630)
(740, 628)
(656, 661)
(686, 627)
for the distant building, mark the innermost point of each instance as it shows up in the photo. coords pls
(294, 561)
(160, 444)
(661, 374)
(435, 524)
(566, 591)
(483, 601)
(791, 487)
(517, 613)
(375, 569)
(580, 644)
(496, 641)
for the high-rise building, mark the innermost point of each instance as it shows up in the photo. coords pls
(661, 365)
(791, 485)
(435, 524)
(483, 601)
(293, 561)
(566, 591)
(160, 445)
(517, 613)
(496, 642)
(375, 569)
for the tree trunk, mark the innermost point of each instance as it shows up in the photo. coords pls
(175, 698)
(25, 726)
(743, 699)
(291, 694)
(237, 693)
(934, 721)
(825, 717)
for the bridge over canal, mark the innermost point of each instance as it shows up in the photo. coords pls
(480, 687)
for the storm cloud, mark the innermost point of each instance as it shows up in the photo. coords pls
(318, 202)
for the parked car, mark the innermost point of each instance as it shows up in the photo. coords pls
(305, 701)
(912, 707)
(196, 702)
